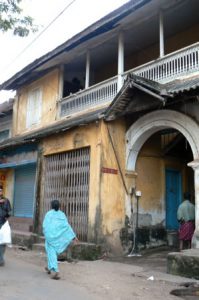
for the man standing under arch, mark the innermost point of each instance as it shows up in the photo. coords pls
(186, 217)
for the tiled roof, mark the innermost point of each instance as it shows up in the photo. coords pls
(126, 101)
(183, 85)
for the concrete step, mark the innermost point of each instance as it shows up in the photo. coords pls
(23, 238)
(40, 239)
(38, 247)
(21, 224)
(184, 263)
(81, 250)
(86, 251)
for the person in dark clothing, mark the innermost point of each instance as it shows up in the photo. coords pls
(5, 209)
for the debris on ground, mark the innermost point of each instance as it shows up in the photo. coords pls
(191, 289)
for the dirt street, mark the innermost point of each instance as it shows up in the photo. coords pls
(23, 278)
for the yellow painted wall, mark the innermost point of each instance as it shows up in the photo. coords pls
(150, 168)
(106, 192)
(50, 82)
(112, 188)
(85, 136)
(50, 89)
(150, 178)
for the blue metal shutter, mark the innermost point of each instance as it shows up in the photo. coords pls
(24, 191)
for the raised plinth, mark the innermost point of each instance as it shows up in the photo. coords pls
(185, 263)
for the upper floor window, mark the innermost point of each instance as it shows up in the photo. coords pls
(34, 106)
(4, 135)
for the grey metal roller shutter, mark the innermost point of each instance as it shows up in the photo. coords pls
(24, 192)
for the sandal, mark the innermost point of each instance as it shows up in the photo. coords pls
(47, 270)
(55, 275)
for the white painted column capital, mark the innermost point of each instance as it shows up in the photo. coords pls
(195, 165)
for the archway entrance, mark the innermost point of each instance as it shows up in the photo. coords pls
(159, 147)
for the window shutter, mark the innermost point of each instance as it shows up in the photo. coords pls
(34, 108)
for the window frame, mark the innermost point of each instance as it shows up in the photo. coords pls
(34, 107)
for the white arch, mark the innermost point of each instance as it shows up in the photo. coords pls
(152, 122)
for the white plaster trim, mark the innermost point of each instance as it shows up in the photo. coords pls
(153, 122)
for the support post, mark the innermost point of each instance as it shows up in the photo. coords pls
(87, 78)
(135, 250)
(120, 60)
(161, 34)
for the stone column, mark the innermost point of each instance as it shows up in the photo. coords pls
(120, 60)
(195, 165)
(131, 185)
(88, 62)
(161, 34)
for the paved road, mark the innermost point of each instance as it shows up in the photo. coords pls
(23, 278)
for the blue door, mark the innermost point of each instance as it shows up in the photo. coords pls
(24, 191)
(173, 197)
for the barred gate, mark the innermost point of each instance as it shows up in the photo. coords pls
(67, 180)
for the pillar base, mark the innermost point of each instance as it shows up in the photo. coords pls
(195, 240)
(184, 263)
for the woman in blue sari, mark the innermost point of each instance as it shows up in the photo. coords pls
(58, 236)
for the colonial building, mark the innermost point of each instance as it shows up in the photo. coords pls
(112, 111)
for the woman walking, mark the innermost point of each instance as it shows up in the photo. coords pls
(58, 236)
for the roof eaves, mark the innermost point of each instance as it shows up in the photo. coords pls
(105, 24)
(121, 100)
(184, 85)
(64, 125)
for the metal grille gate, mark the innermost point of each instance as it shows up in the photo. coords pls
(67, 180)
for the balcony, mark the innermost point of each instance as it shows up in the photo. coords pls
(180, 63)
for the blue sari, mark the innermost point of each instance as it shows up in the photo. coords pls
(58, 236)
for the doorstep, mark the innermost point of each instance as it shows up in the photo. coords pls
(184, 263)
(81, 250)
(23, 238)
(21, 224)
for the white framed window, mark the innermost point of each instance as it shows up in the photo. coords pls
(34, 107)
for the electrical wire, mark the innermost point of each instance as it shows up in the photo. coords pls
(36, 38)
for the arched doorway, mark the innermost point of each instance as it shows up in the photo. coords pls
(158, 124)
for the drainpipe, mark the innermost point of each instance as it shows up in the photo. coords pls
(161, 34)
(120, 61)
(87, 79)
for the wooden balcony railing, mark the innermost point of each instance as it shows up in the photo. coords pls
(172, 66)
(95, 95)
